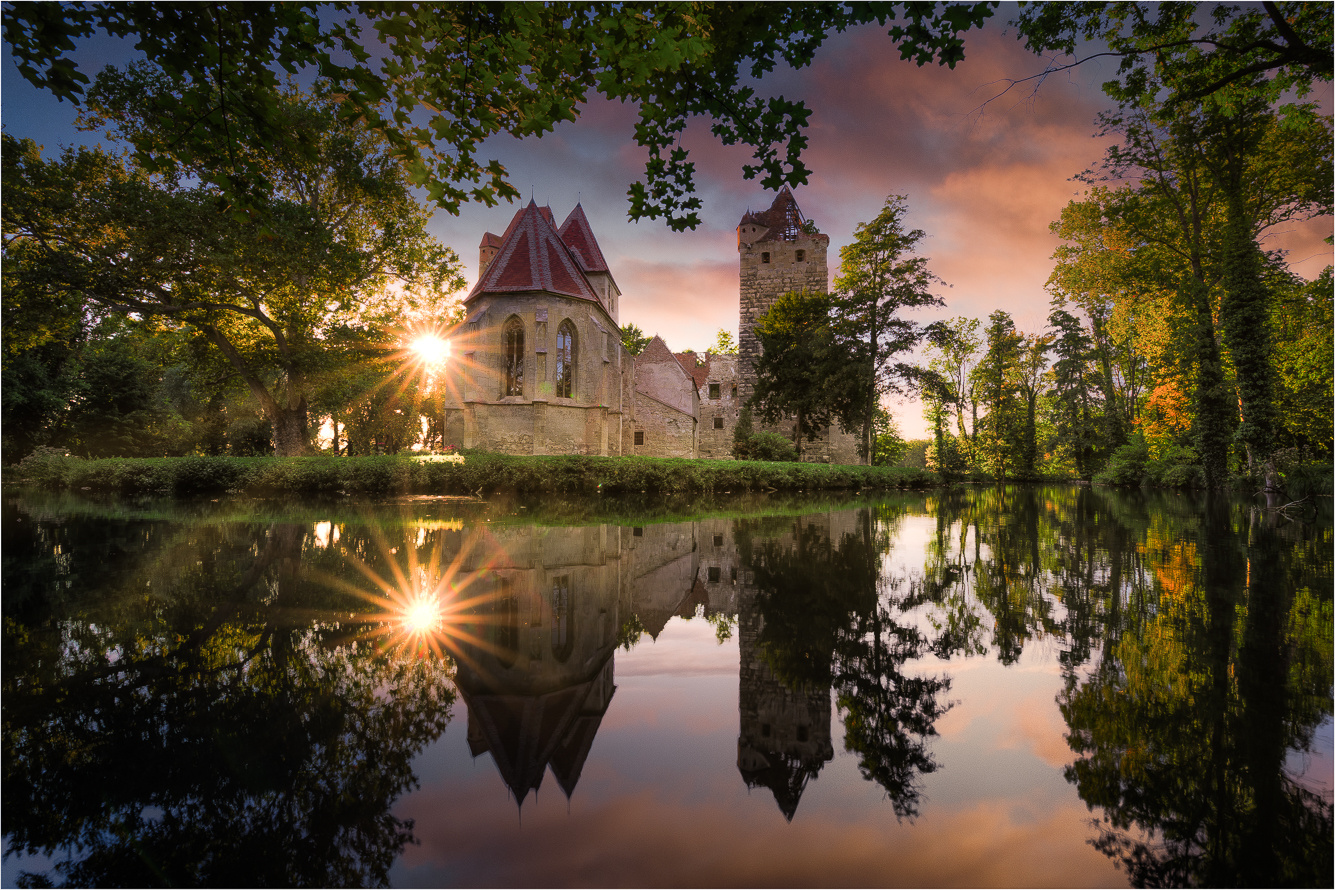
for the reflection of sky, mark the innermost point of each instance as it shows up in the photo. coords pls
(661, 801)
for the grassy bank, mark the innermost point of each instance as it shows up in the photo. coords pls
(477, 474)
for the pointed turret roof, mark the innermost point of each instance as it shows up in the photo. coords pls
(533, 257)
(784, 218)
(578, 236)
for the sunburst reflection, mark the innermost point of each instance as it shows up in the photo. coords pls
(432, 595)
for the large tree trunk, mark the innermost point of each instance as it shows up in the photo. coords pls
(290, 430)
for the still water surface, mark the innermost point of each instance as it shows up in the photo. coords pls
(1011, 686)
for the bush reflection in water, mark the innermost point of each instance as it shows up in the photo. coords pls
(211, 702)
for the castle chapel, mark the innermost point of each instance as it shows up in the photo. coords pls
(541, 366)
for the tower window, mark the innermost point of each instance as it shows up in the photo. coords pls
(734, 390)
(718, 540)
(718, 423)
(713, 390)
(639, 437)
(713, 574)
(801, 256)
(764, 257)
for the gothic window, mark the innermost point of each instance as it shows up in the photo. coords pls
(514, 357)
(563, 618)
(764, 257)
(565, 360)
(718, 423)
(713, 390)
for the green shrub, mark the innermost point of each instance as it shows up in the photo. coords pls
(1177, 467)
(771, 446)
(1126, 466)
(46, 467)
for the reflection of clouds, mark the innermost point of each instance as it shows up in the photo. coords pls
(1016, 710)
(733, 842)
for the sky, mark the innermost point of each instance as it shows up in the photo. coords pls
(984, 171)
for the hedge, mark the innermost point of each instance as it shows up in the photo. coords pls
(475, 474)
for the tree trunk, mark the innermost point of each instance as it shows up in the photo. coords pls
(290, 430)
(1245, 324)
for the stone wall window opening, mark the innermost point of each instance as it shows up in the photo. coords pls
(764, 256)
(565, 360)
(718, 540)
(734, 390)
(514, 356)
(637, 531)
(800, 257)
(714, 390)
(563, 619)
(718, 423)
(714, 574)
(639, 437)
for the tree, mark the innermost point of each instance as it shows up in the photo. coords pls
(890, 445)
(1303, 322)
(1074, 394)
(1273, 49)
(803, 371)
(633, 339)
(1029, 374)
(953, 360)
(435, 81)
(1198, 101)
(343, 248)
(880, 276)
(725, 343)
(1000, 430)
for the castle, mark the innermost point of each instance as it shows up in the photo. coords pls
(542, 369)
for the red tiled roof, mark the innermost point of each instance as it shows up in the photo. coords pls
(699, 373)
(578, 236)
(533, 257)
(490, 240)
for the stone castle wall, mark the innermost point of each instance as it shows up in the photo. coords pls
(770, 269)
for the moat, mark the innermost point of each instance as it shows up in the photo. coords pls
(984, 686)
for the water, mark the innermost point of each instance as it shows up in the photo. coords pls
(1020, 686)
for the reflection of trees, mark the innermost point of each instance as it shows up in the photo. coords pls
(202, 718)
(1183, 726)
(829, 618)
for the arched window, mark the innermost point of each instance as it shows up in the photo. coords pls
(565, 360)
(514, 357)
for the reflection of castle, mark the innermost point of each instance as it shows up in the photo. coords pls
(536, 669)
(535, 666)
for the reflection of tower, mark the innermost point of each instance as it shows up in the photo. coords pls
(536, 673)
(785, 734)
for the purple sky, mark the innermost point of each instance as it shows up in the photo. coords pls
(983, 179)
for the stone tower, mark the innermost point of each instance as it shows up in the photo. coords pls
(778, 255)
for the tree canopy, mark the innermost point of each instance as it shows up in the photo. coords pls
(435, 81)
(340, 259)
